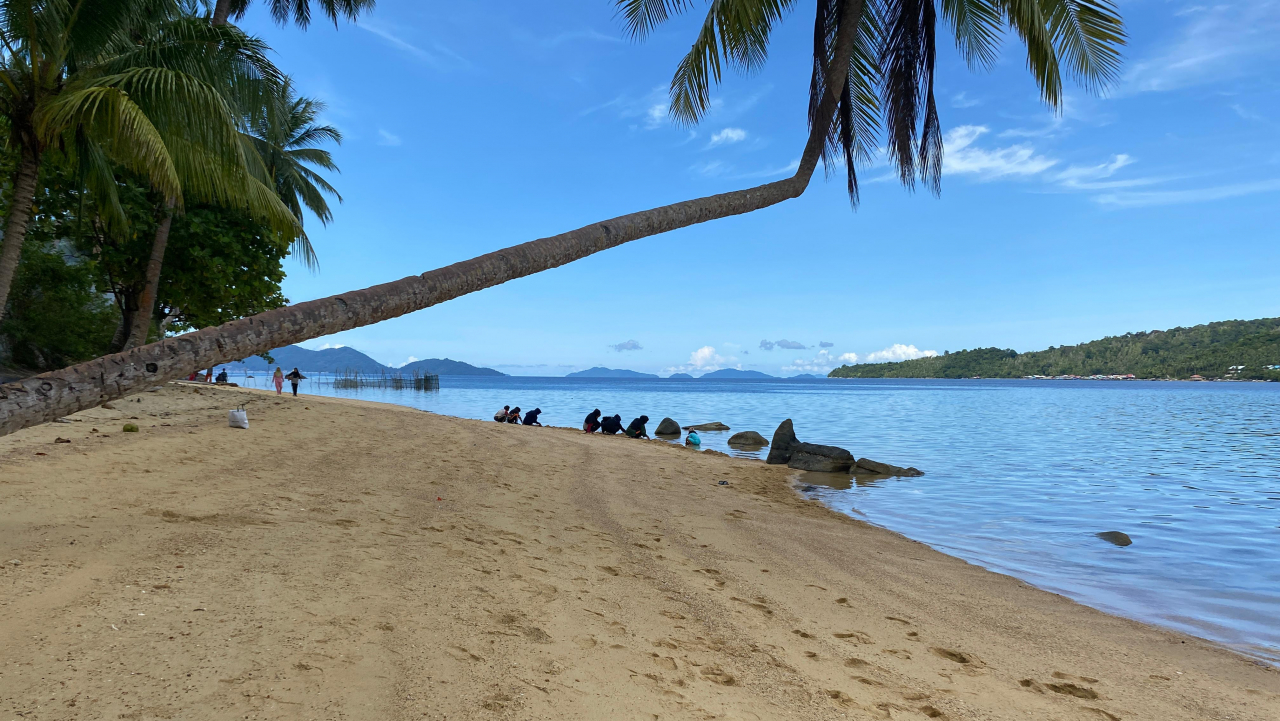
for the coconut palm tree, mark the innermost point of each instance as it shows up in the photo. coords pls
(873, 65)
(287, 144)
(297, 10)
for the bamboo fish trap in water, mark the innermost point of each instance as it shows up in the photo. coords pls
(352, 380)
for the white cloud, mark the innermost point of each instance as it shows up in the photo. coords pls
(821, 363)
(1140, 199)
(1078, 176)
(627, 345)
(709, 168)
(826, 344)
(657, 113)
(898, 352)
(962, 157)
(790, 344)
(787, 169)
(438, 57)
(1246, 113)
(572, 35)
(1219, 42)
(327, 346)
(767, 345)
(848, 358)
(705, 359)
(728, 136)
(961, 101)
(410, 359)
(387, 138)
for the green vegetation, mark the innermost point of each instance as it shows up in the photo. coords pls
(1206, 350)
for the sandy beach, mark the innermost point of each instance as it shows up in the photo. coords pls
(349, 560)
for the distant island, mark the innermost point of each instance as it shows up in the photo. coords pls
(734, 373)
(600, 372)
(339, 360)
(807, 375)
(680, 375)
(1227, 350)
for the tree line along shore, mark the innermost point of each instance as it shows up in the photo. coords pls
(1225, 350)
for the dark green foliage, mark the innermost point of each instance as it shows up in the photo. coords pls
(1207, 350)
(221, 265)
(55, 317)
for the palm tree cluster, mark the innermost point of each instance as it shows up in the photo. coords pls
(153, 92)
(873, 68)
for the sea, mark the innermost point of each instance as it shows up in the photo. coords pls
(1020, 476)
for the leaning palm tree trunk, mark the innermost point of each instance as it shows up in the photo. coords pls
(141, 324)
(42, 398)
(15, 230)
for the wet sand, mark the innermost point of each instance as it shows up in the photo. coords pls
(349, 560)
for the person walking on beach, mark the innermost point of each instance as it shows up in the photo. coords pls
(611, 425)
(501, 416)
(636, 428)
(514, 416)
(294, 377)
(592, 423)
(531, 418)
(278, 379)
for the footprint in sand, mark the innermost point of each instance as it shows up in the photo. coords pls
(717, 675)
(956, 656)
(841, 699)
(854, 636)
(855, 663)
(462, 654)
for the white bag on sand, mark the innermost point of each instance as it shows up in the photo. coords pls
(238, 418)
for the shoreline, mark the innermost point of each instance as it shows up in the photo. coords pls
(558, 576)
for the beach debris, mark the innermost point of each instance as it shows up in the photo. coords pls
(1116, 537)
(722, 483)
(131, 428)
(238, 418)
(61, 420)
(60, 439)
(667, 427)
(713, 426)
(14, 562)
(875, 468)
(108, 406)
(748, 439)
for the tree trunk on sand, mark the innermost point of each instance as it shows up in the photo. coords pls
(220, 12)
(141, 325)
(48, 396)
(15, 230)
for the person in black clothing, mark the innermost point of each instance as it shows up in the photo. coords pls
(294, 377)
(611, 425)
(592, 423)
(636, 429)
(222, 376)
(501, 416)
(514, 416)
(531, 418)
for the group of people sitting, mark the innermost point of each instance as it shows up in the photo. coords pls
(512, 415)
(612, 425)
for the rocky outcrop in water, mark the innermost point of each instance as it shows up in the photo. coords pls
(667, 427)
(790, 451)
(714, 426)
(748, 439)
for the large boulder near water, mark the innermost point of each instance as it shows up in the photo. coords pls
(748, 439)
(714, 426)
(783, 440)
(876, 468)
(788, 450)
(667, 427)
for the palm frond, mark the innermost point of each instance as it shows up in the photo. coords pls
(641, 17)
(978, 27)
(1030, 23)
(1087, 35)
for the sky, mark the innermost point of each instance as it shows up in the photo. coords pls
(473, 126)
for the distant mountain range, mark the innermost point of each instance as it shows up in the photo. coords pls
(599, 372)
(735, 373)
(337, 360)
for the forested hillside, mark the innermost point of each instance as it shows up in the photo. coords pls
(1206, 350)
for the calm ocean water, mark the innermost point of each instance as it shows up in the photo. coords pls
(1020, 475)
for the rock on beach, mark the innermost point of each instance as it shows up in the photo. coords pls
(748, 438)
(714, 426)
(667, 427)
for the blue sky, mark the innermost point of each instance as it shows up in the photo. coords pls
(474, 126)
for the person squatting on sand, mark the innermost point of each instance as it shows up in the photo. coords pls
(592, 423)
(514, 416)
(611, 425)
(531, 418)
(636, 428)
(501, 416)
(693, 439)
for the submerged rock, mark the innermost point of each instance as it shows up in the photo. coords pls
(876, 468)
(667, 427)
(748, 438)
(1116, 537)
(824, 459)
(715, 426)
